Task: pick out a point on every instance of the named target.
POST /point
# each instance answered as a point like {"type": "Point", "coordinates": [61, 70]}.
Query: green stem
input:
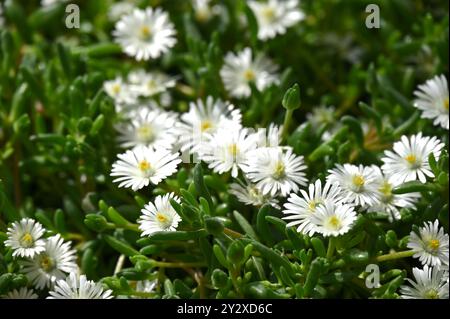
{"type": "Point", "coordinates": [163, 264]}
{"type": "Point", "coordinates": [396, 255]}
{"type": "Point", "coordinates": [287, 123]}
{"type": "Point", "coordinates": [331, 246]}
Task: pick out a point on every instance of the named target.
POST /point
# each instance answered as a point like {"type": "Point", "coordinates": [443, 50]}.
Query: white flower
{"type": "Point", "coordinates": [428, 285]}
{"type": "Point", "coordinates": [147, 84]}
{"type": "Point", "coordinates": [430, 245]}
{"type": "Point", "coordinates": [275, 16]}
{"type": "Point", "coordinates": [239, 70]}
{"type": "Point", "coordinates": [270, 137]}
{"type": "Point", "coordinates": [145, 34]}
{"type": "Point", "coordinates": [389, 202]}
{"type": "Point", "coordinates": [117, 10]}
{"type": "Point", "coordinates": [203, 10]}
{"type": "Point", "coordinates": [120, 91]}
{"type": "Point", "coordinates": [332, 219]}
{"type": "Point", "coordinates": [44, 269]}
{"type": "Point", "coordinates": [144, 165]}
{"type": "Point", "coordinates": [145, 286]}
{"type": "Point", "coordinates": [78, 287]}
{"type": "Point", "coordinates": [250, 195]}
{"type": "Point", "coordinates": [227, 150]}
{"type": "Point", "coordinates": [22, 293]}
{"type": "Point", "coordinates": [432, 99]}
{"type": "Point", "coordinates": [321, 115]}
{"type": "Point", "coordinates": [47, 3]}
{"type": "Point", "coordinates": [24, 238]}
{"type": "Point", "coordinates": [357, 183]}
{"type": "Point", "coordinates": [300, 209]}
{"type": "Point", "coordinates": [274, 169]}
{"type": "Point", "coordinates": [159, 216]}
{"type": "Point", "coordinates": [148, 127]}
{"type": "Point", "coordinates": [409, 161]}
{"type": "Point", "coordinates": [204, 119]}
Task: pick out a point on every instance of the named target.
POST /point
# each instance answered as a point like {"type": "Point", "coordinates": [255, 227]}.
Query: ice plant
{"type": "Point", "coordinates": [25, 238]}
{"type": "Point", "coordinates": [409, 159]}
{"type": "Point", "coordinates": [78, 287]}
{"type": "Point", "coordinates": [143, 166]}
{"type": "Point", "coordinates": [145, 34]}
{"type": "Point", "coordinates": [159, 216]}
{"type": "Point", "coordinates": [430, 245]}
{"type": "Point", "coordinates": [242, 68]}
{"type": "Point", "coordinates": [432, 100]}
{"type": "Point", "coordinates": [275, 16]}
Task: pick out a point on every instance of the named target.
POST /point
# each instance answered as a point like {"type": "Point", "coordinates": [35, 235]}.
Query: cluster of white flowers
{"type": "Point", "coordinates": [48, 262]}
{"type": "Point", "coordinates": [138, 87]}
{"type": "Point", "coordinates": [332, 211]}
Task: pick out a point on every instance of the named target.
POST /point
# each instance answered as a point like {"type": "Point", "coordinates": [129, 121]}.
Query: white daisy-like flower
{"type": "Point", "coordinates": [51, 265]}
{"type": "Point", "coordinates": [119, 9]}
{"type": "Point", "coordinates": [331, 219]}
{"type": "Point", "coordinates": [145, 286]}
{"type": "Point", "coordinates": [300, 209]}
{"type": "Point", "coordinates": [432, 100]}
{"type": "Point", "coordinates": [22, 293]}
{"type": "Point", "coordinates": [409, 159]}
{"type": "Point", "coordinates": [275, 170]}
{"type": "Point", "coordinates": [203, 119]}
{"type": "Point", "coordinates": [240, 69]}
{"type": "Point", "coordinates": [147, 84]}
{"type": "Point", "coordinates": [203, 10]}
{"type": "Point", "coordinates": [321, 115]}
{"type": "Point", "coordinates": [250, 195]}
{"type": "Point", "coordinates": [144, 165]}
{"type": "Point", "coordinates": [389, 202]}
{"type": "Point", "coordinates": [25, 238]}
{"type": "Point", "coordinates": [430, 245]}
{"type": "Point", "coordinates": [429, 284]}
{"type": "Point", "coordinates": [145, 34]}
{"type": "Point", "coordinates": [120, 91]}
{"type": "Point", "coordinates": [357, 183]}
{"type": "Point", "coordinates": [275, 16]}
{"type": "Point", "coordinates": [269, 137]}
{"type": "Point", "coordinates": [79, 287]}
{"type": "Point", "coordinates": [148, 127]}
{"type": "Point", "coordinates": [227, 150]}
{"type": "Point", "coordinates": [159, 216]}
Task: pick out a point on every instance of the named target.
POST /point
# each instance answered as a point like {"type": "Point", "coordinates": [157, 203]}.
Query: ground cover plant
{"type": "Point", "coordinates": [224, 149]}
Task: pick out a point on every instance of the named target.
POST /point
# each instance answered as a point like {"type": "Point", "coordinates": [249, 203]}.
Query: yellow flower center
{"type": "Point", "coordinates": [116, 89]}
{"type": "Point", "coordinates": [432, 294]}
{"type": "Point", "coordinates": [268, 13]}
{"type": "Point", "coordinates": [358, 180]}
{"type": "Point", "coordinates": [279, 171]}
{"type": "Point", "coordinates": [145, 33]}
{"type": "Point", "coordinates": [386, 190]}
{"type": "Point", "coordinates": [145, 133]}
{"type": "Point", "coordinates": [411, 159]}
{"type": "Point", "coordinates": [434, 244]}
{"type": "Point", "coordinates": [161, 218]}
{"type": "Point", "coordinates": [233, 149]}
{"type": "Point", "coordinates": [151, 84]}
{"type": "Point", "coordinates": [205, 125]}
{"type": "Point", "coordinates": [334, 223]}
{"type": "Point", "coordinates": [446, 104]}
{"type": "Point", "coordinates": [26, 240]}
{"type": "Point", "coordinates": [249, 75]}
{"type": "Point", "coordinates": [144, 166]}
{"type": "Point", "coordinates": [47, 263]}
